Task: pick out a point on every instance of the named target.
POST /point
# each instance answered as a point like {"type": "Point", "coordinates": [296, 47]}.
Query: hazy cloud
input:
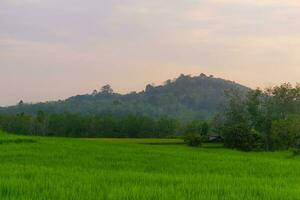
{"type": "Point", "coordinates": [54, 49]}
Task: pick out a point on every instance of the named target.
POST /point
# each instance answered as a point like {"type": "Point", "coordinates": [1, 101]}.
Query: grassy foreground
{"type": "Point", "coordinates": [36, 168]}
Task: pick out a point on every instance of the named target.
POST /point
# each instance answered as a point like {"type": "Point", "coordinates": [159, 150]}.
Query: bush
{"type": "Point", "coordinates": [192, 139]}
{"type": "Point", "coordinates": [285, 132]}
{"type": "Point", "coordinates": [238, 136]}
{"type": "Point", "coordinates": [296, 146]}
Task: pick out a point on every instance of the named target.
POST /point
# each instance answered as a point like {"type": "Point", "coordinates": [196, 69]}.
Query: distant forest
{"type": "Point", "coordinates": [77, 125]}
{"type": "Point", "coordinates": [184, 98]}
{"type": "Point", "coordinates": [193, 108]}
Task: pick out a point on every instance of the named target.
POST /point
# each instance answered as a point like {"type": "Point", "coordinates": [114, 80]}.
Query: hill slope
{"type": "Point", "coordinates": [185, 97]}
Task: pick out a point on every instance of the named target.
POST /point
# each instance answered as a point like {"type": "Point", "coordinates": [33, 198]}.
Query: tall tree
{"type": "Point", "coordinates": [106, 89]}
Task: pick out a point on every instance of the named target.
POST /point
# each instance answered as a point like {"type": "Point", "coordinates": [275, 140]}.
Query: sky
{"type": "Point", "coordinates": [53, 49]}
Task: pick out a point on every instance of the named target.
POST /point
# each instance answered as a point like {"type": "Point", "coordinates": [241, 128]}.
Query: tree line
{"type": "Point", "coordinates": [258, 120]}
{"type": "Point", "coordinates": [263, 119]}
{"type": "Point", "coordinates": [185, 98]}
{"type": "Point", "coordinates": [78, 125]}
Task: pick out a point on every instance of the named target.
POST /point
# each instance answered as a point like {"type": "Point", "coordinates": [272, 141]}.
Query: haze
{"type": "Point", "coordinates": [53, 49]}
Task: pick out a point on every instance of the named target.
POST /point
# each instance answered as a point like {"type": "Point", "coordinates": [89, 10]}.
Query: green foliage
{"type": "Point", "coordinates": [237, 131]}
{"type": "Point", "coordinates": [193, 139]}
{"type": "Point", "coordinates": [240, 137]}
{"type": "Point", "coordinates": [204, 129]}
{"type": "Point", "coordinates": [194, 127]}
{"type": "Point", "coordinates": [285, 131]}
{"type": "Point", "coordinates": [76, 125]}
{"type": "Point", "coordinates": [195, 132]}
{"type": "Point", "coordinates": [106, 89]}
{"type": "Point", "coordinates": [272, 114]}
{"type": "Point", "coordinates": [185, 98]}
{"type": "Point", "coordinates": [296, 145]}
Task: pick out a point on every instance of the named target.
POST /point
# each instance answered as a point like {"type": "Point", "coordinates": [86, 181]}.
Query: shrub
{"type": "Point", "coordinates": [192, 139]}
{"type": "Point", "coordinates": [240, 137]}
{"type": "Point", "coordinates": [285, 132]}
{"type": "Point", "coordinates": [296, 146]}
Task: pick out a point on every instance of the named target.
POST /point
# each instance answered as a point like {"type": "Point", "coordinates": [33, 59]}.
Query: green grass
{"type": "Point", "coordinates": [137, 140]}
{"type": "Point", "coordinates": [37, 168]}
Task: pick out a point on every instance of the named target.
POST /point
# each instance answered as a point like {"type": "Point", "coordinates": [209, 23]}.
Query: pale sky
{"type": "Point", "coordinates": [53, 49]}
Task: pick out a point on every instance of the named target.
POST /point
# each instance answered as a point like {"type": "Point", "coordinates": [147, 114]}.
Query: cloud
{"type": "Point", "coordinates": [289, 3]}
{"type": "Point", "coordinates": [54, 49]}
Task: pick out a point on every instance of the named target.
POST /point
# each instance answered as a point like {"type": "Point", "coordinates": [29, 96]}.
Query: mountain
{"type": "Point", "coordinates": [185, 97]}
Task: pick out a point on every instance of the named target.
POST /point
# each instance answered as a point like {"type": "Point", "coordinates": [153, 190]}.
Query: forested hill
{"type": "Point", "coordinates": [185, 97]}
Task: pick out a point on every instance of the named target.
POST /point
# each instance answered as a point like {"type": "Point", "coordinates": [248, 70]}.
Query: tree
{"type": "Point", "coordinates": [259, 109]}
{"type": "Point", "coordinates": [192, 139]}
{"type": "Point", "coordinates": [283, 98]}
{"type": "Point", "coordinates": [217, 124]}
{"type": "Point", "coordinates": [94, 93]}
{"type": "Point", "coordinates": [168, 82]}
{"type": "Point", "coordinates": [203, 75]}
{"type": "Point", "coordinates": [40, 124]}
{"type": "Point", "coordinates": [278, 103]}
{"type": "Point", "coordinates": [286, 131]}
{"type": "Point", "coordinates": [106, 89]}
{"type": "Point", "coordinates": [237, 131]}
{"type": "Point", "coordinates": [204, 129]}
{"type": "Point", "coordinates": [296, 145]}
{"type": "Point", "coordinates": [253, 104]}
{"type": "Point", "coordinates": [166, 126]}
{"type": "Point", "coordinates": [268, 117]}
{"type": "Point", "coordinates": [21, 103]}
{"type": "Point", "coordinates": [194, 127]}
{"type": "Point", "coordinates": [149, 88]}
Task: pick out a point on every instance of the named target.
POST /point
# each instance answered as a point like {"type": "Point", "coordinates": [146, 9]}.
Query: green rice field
{"type": "Point", "coordinates": [38, 168]}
